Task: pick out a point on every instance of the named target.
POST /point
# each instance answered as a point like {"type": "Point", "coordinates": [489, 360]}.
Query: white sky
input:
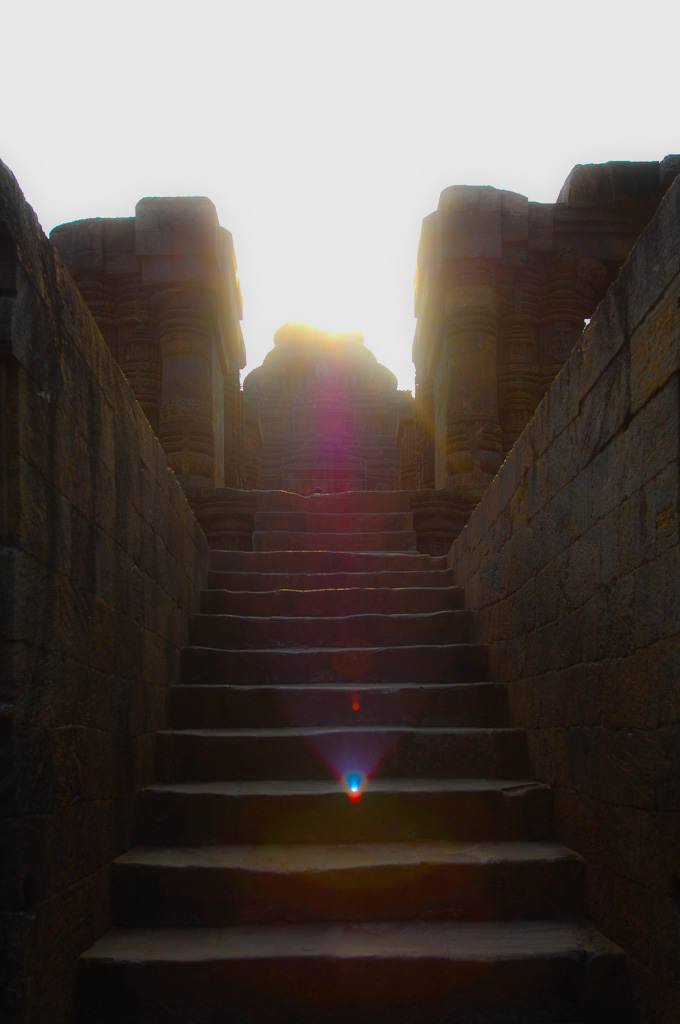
{"type": "Point", "coordinates": [324, 132]}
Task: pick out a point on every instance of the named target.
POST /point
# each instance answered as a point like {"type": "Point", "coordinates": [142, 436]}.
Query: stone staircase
{"type": "Point", "coordinates": [265, 889]}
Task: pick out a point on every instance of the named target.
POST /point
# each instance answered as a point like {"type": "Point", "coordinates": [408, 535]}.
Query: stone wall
{"type": "Point", "coordinates": [100, 567]}
{"type": "Point", "coordinates": [572, 560]}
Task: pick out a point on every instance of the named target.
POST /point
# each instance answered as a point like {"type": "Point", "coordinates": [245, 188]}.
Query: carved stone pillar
{"type": "Point", "coordinates": [233, 431]}
{"type": "Point", "coordinates": [138, 347]}
{"type": "Point", "coordinates": [467, 428]}
{"type": "Point", "coordinates": [424, 416]}
{"type": "Point", "coordinates": [96, 292]}
{"type": "Point", "coordinates": [519, 384]}
{"type": "Point", "coordinates": [185, 426]}
{"type": "Point", "coordinates": [568, 298]}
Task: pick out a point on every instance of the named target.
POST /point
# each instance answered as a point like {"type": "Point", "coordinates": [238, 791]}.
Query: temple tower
{"type": "Point", "coordinates": [329, 414]}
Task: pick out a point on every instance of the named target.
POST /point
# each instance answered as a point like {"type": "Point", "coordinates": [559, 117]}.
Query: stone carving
{"type": "Point", "coordinates": [329, 413]}
{"type": "Point", "coordinates": [503, 288]}
{"type": "Point", "coordinates": [163, 289]}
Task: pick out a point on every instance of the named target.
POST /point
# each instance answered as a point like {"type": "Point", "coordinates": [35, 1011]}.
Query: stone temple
{"type": "Point", "coordinates": [324, 703]}
{"type": "Point", "coordinates": [329, 414]}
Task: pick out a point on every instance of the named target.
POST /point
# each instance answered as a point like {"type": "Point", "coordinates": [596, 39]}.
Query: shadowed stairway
{"type": "Point", "coordinates": [332, 658]}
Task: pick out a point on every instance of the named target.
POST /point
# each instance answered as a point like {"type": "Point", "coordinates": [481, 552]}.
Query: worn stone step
{"type": "Point", "coordinates": [343, 502]}
{"type": "Point", "coordinates": [333, 522]}
{"type": "Point", "coordinates": [324, 561]}
{"type": "Point", "coordinates": [424, 579]}
{"type": "Point", "coordinates": [308, 752]}
{"type": "Point", "coordinates": [304, 631]}
{"type": "Point", "coordinates": [285, 811]}
{"type": "Point", "coordinates": [288, 540]}
{"type": "Point", "coordinates": [333, 602]}
{"type": "Point", "coordinates": [363, 666]}
{"type": "Point", "coordinates": [235, 706]}
{"type": "Point", "coordinates": [471, 972]}
{"type": "Point", "coordinates": [217, 886]}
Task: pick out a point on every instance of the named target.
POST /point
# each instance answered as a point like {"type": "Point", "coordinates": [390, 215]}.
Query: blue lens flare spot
{"type": "Point", "coordinates": [355, 785]}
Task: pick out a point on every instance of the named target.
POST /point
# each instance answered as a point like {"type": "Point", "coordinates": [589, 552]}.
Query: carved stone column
{"type": "Point", "coordinates": [568, 298]}
{"type": "Point", "coordinates": [138, 347]}
{"type": "Point", "coordinates": [233, 431]}
{"type": "Point", "coordinates": [185, 426]}
{"type": "Point", "coordinates": [424, 417]}
{"type": "Point", "coordinates": [96, 292]}
{"type": "Point", "coordinates": [519, 384]}
{"type": "Point", "coordinates": [467, 429]}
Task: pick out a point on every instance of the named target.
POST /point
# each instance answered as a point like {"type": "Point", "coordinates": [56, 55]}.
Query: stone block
{"type": "Point", "coordinates": [469, 223]}
{"type": "Point", "coordinates": [659, 426]}
{"type": "Point", "coordinates": [621, 536]}
{"type": "Point", "coordinates": [81, 244]}
{"type": "Point", "coordinates": [522, 609]}
{"type": "Point", "coordinates": [605, 408]}
{"type": "Point", "coordinates": [640, 691]}
{"type": "Point", "coordinates": [615, 614]}
{"type": "Point", "coordinates": [655, 259]}
{"type": "Point", "coordinates": [657, 601]}
{"type": "Point", "coordinates": [183, 226]}
{"type": "Point", "coordinates": [564, 457]}
{"type": "Point", "coordinates": [621, 908]}
{"type": "Point", "coordinates": [514, 217]}
{"type": "Point", "coordinates": [602, 834]}
{"type": "Point", "coordinates": [636, 767]}
{"type": "Point", "coordinates": [127, 637]}
{"type": "Point", "coordinates": [655, 348]}
{"type": "Point", "coordinates": [616, 472]}
{"type": "Point", "coordinates": [660, 850]}
{"type": "Point", "coordinates": [663, 508]}
{"type": "Point", "coordinates": [33, 598]}
{"type": "Point", "coordinates": [603, 342]}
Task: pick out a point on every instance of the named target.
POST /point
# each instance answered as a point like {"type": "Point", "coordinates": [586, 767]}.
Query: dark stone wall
{"type": "Point", "coordinates": [572, 560]}
{"type": "Point", "coordinates": [100, 566]}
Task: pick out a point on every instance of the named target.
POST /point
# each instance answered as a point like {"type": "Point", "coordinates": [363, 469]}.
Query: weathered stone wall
{"type": "Point", "coordinates": [100, 566]}
{"type": "Point", "coordinates": [572, 560]}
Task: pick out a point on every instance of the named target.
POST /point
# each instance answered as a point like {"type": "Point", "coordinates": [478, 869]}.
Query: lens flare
{"type": "Point", "coordinates": [354, 783]}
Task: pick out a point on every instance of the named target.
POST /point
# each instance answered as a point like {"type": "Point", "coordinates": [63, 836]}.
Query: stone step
{"type": "Point", "coordinates": [387, 704]}
{"type": "Point", "coordinates": [313, 562]}
{"type": "Point", "coordinates": [214, 886]}
{"type": "Point", "coordinates": [422, 579]}
{"type": "Point", "coordinates": [333, 601]}
{"type": "Point", "coordinates": [288, 540]}
{"type": "Point", "coordinates": [333, 522]}
{"type": "Point", "coordinates": [344, 502]}
{"type": "Point", "coordinates": [471, 972]}
{"type": "Point", "coordinates": [313, 752]}
{"type": "Point", "coordinates": [286, 811]}
{"type": "Point", "coordinates": [364, 631]}
{"type": "Point", "coordinates": [362, 666]}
